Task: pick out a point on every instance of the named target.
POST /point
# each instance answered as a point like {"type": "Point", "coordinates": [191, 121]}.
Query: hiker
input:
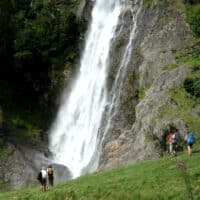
{"type": "Point", "coordinates": [42, 176]}
{"type": "Point", "coordinates": [39, 178]}
{"type": "Point", "coordinates": [190, 141]}
{"type": "Point", "coordinates": [50, 173]}
{"type": "Point", "coordinates": [174, 143]}
{"type": "Point", "coordinates": [170, 140]}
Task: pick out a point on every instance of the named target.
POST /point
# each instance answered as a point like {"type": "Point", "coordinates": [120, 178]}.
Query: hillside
{"type": "Point", "coordinates": [167, 178]}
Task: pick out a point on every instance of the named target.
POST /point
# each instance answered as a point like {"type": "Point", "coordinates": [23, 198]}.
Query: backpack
{"type": "Point", "coordinates": [175, 138]}
{"type": "Point", "coordinates": [39, 177]}
{"type": "Point", "coordinates": [190, 138]}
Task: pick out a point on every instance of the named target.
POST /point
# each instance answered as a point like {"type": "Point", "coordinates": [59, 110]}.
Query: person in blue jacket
{"type": "Point", "coordinates": [190, 141]}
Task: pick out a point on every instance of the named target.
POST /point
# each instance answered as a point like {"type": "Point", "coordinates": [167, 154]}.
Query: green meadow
{"type": "Point", "coordinates": [167, 178]}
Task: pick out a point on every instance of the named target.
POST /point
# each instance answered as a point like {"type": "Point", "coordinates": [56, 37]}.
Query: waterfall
{"type": "Point", "coordinates": [74, 136]}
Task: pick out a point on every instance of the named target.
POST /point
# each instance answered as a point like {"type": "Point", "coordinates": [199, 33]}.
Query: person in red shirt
{"type": "Point", "coordinates": [170, 141]}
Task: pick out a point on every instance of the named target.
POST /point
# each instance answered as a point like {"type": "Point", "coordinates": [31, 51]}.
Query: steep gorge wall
{"type": "Point", "coordinates": [138, 129]}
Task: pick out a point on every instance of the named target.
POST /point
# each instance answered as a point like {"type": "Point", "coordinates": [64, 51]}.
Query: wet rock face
{"type": "Point", "coordinates": [61, 173]}
{"type": "Point", "coordinates": [23, 165]}
{"type": "Point", "coordinates": [84, 9]}
{"type": "Point", "coordinates": [138, 129]}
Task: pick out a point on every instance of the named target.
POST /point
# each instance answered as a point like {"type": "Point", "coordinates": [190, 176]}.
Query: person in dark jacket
{"type": "Point", "coordinates": [50, 173]}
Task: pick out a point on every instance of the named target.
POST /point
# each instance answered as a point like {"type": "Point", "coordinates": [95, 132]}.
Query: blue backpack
{"type": "Point", "coordinates": [190, 138]}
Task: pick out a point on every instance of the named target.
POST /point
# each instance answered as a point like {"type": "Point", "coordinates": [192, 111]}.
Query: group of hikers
{"type": "Point", "coordinates": [46, 175]}
{"type": "Point", "coordinates": [173, 143]}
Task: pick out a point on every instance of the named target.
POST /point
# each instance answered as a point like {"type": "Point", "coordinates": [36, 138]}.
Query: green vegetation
{"type": "Point", "coordinates": [192, 86]}
{"type": "Point", "coordinates": [4, 152]}
{"type": "Point", "coordinates": [187, 96]}
{"type": "Point", "coordinates": [26, 122]}
{"type": "Point", "coordinates": [1, 117]}
{"type": "Point", "coordinates": [193, 15]}
{"type": "Point", "coordinates": [167, 178]}
{"type": "Point", "coordinates": [192, 83]}
{"type": "Point", "coordinates": [141, 93]}
{"type": "Point", "coordinates": [192, 3]}
{"type": "Point", "coordinates": [39, 40]}
{"type": "Point", "coordinates": [148, 3]}
{"type": "Point", "coordinates": [187, 109]}
{"type": "Point", "coordinates": [170, 67]}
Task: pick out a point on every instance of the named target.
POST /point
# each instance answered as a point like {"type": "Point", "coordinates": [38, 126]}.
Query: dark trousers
{"type": "Point", "coordinates": [51, 181]}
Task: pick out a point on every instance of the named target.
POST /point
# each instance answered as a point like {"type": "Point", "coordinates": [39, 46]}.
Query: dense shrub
{"type": "Point", "coordinates": [196, 51]}
{"type": "Point", "coordinates": [192, 86]}
{"type": "Point", "coordinates": [191, 1]}
{"type": "Point", "coordinates": [193, 15]}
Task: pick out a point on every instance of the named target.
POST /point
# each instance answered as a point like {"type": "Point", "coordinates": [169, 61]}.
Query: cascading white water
{"type": "Point", "coordinates": [73, 136]}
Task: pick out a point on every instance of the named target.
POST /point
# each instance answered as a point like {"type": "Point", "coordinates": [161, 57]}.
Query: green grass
{"type": "Point", "coordinates": [160, 179]}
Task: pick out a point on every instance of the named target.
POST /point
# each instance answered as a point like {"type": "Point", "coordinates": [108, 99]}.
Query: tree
{"type": "Point", "coordinates": [6, 36]}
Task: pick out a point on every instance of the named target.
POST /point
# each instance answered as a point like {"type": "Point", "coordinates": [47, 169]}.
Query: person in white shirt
{"type": "Point", "coordinates": [44, 179]}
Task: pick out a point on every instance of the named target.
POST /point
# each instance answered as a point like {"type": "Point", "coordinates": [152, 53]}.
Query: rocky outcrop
{"type": "Point", "coordinates": [22, 165]}
{"type": "Point", "coordinates": [145, 112]}
{"type": "Point", "coordinates": [84, 9]}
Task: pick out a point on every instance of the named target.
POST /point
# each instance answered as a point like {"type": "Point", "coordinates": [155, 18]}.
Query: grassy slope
{"type": "Point", "coordinates": [159, 179]}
